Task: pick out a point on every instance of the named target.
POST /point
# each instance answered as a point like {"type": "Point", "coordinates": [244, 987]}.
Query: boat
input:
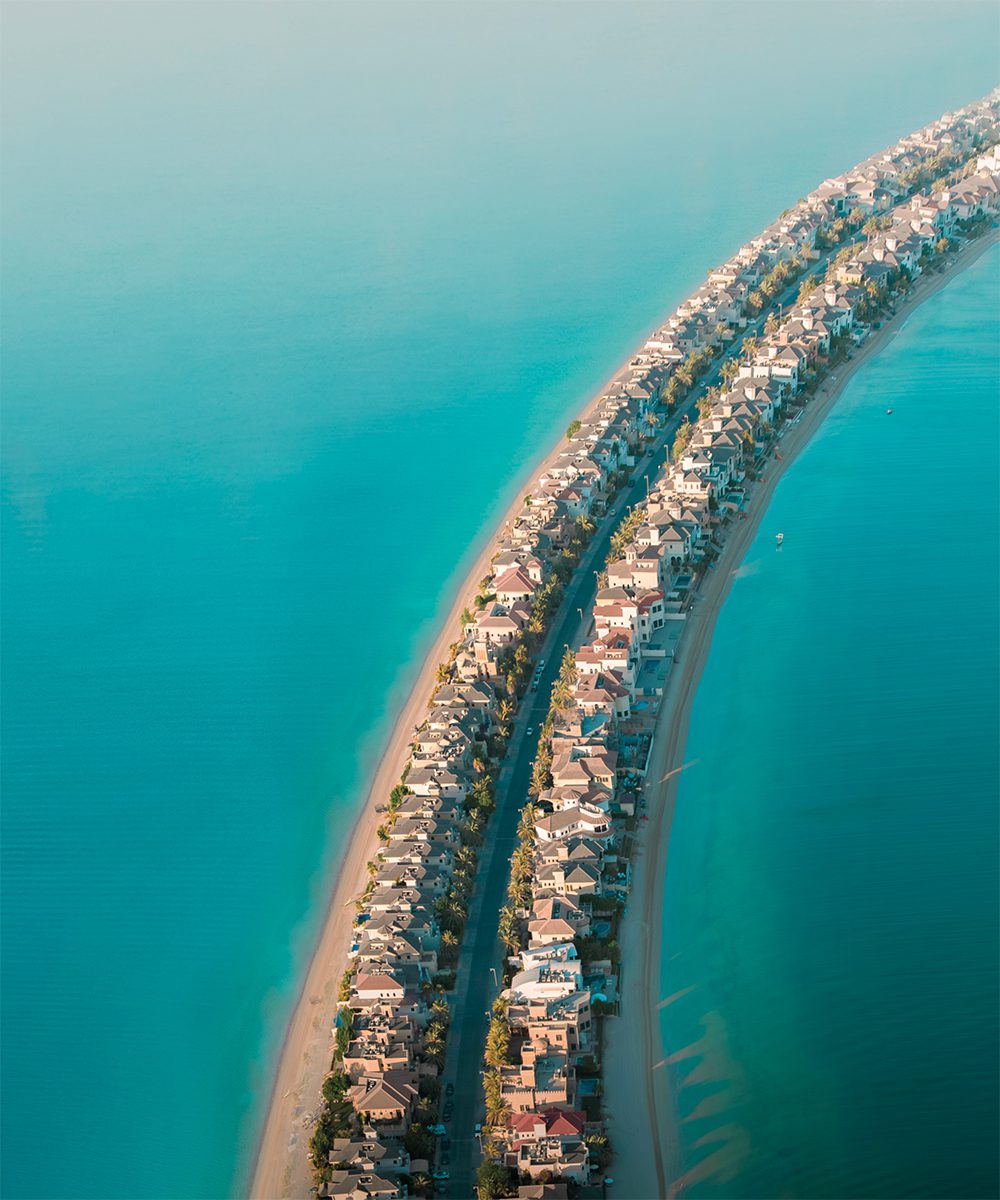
{"type": "Point", "coordinates": [888, 412]}
{"type": "Point", "coordinates": [779, 538]}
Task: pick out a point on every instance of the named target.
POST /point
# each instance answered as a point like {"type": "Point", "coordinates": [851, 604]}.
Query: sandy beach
{"type": "Point", "coordinates": [282, 1167]}
{"type": "Point", "coordinates": [641, 1118]}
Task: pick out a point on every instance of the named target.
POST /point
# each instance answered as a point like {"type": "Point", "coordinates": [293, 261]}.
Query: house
{"type": "Point", "coordinates": [496, 624]}
{"type": "Point", "coordinates": [546, 982]}
{"type": "Point", "coordinates": [562, 909]}
{"type": "Point", "coordinates": [552, 1156]}
{"type": "Point", "coordinates": [673, 539]}
{"type": "Point", "coordinates": [513, 586]}
{"type": "Point", "coordinates": [361, 1184]}
{"type": "Point", "coordinates": [379, 985]}
{"type": "Point", "coordinates": [584, 820]}
{"type": "Point", "coordinates": [581, 766]}
{"type": "Point", "coordinates": [538, 1081]}
{"type": "Point", "coordinates": [386, 1098]}
{"type": "Point", "coordinates": [366, 1057]}
{"type": "Point", "coordinates": [387, 1157]}
{"type": "Point", "coordinates": [546, 933]}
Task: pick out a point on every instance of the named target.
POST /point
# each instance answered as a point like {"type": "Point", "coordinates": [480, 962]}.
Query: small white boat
{"type": "Point", "coordinates": [779, 538]}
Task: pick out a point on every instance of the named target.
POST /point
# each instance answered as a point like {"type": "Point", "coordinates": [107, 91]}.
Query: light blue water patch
{"type": "Point", "coordinates": [831, 891]}
{"type": "Point", "coordinates": [291, 295]}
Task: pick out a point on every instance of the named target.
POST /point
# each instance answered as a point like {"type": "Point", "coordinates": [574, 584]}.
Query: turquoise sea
{"type": "Point", "coordinates": [832, 885]}
{"type": "Point", "coordinates": [292, 295]}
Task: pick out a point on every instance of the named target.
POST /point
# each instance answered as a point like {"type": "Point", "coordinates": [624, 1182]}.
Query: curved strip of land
{"type": "Point", "coordinates": [643, 1117]}
{"type": "Point", "coordinates": [282, 1165]}
{"type": "Point", "coordinates": [282, 1168]}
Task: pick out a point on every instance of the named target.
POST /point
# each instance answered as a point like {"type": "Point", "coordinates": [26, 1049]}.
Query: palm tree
{"type": "Point", "coordinates": [497, 1109]}
{"type": "Point", "coordinates": [510, 929]}
{"type": "Point", "coordinates": [529, 814]}
{"type": "Point", "coordinates": [466, 858]}
{"type": "Point", "coordinates": [498, 1042]}
{"type": "Point", "coordinates": [521, 864]}
{"type": "Point", "coordinates": [451, 912]}
{"type": "Point", "coordinates": [519, 893]}
{"type": "Point", "coordinates": [422, 1184]}
{"type": "Point", "coordinates": [600, 1149]}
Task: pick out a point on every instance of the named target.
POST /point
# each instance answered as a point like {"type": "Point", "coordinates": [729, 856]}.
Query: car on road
{"type": "Point", "coordinates": [446, 1143]}
{"type": "Point", "coordinates": [440, 1175]}
{"type": "Point", "coordinates": [531, 730]}
{"type": "Point", "coordinates": [479, 1127]}
{"type": "Point", "coordinates": [438, 1129]}
{"type": "Point", "coordinates": [445, 1160]}
{"type": "Point", "coordinates": [449, 1089]}
{"type": "Point", "coordinates": [541, 663]}
{"type": "Point", "coordinates": [449, 1110]}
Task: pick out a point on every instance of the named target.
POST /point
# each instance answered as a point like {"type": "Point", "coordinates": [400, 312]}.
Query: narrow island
{"type": "Point", "coordinates": [460, 1030]}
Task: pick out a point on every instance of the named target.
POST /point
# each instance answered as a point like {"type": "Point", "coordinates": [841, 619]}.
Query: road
{"type": "Point", "coordinates": [482, 952]}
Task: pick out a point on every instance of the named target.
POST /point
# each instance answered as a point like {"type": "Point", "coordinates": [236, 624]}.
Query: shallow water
{"type": "Point", "coordinates": [291, 295]}
{"type": "Point", "coordinates": [831, 891]}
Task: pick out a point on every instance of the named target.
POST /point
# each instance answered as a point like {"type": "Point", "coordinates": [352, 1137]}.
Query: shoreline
{"type": "Point", "coordinates": [280, 1167]}
{"type": "Point", "coordinates": [634, 1048]}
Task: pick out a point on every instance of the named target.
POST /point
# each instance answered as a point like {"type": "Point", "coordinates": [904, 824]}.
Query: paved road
{"type": "Point", "coordinates": [481, 950]}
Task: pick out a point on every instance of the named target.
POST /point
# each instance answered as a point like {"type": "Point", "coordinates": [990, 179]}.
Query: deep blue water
{"type": "Point", "coordinates": [292, 295]}
{"type": "Point", "coordinates": [832, 885]}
